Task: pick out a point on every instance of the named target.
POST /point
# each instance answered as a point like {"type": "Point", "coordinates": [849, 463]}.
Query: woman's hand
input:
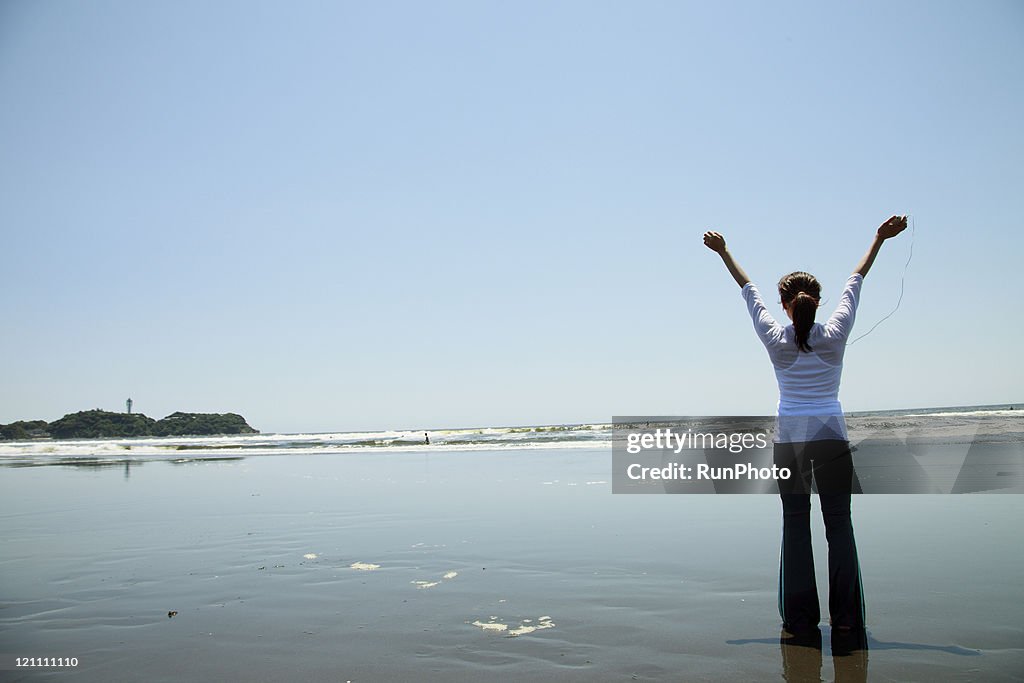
{"type": "Point", "coordinates": [714, 241]}
{"type": "Point", "coordinates": [892, 227]}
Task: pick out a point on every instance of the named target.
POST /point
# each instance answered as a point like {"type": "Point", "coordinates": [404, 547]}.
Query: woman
{"type": "Point", "coordinates": [810, 436]}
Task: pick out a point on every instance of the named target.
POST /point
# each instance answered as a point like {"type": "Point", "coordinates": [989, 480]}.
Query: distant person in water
{"type": "Point", "coordinates": [810, 435]}
{"type": "Point", "coordinates": [426, 439]}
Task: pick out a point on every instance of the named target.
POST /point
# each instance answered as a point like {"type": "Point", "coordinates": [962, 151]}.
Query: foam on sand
{"type": "Point", "coordinates": [364, 566]}
{"type": "Point", "coordinates": [491, 625]}
{"type": "Point", "coordinates": [525, 626]}
{"type": "Point", "coordinates": [431, 584]}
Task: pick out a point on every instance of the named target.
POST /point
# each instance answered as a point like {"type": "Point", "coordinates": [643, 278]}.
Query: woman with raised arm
{"type": "Point", "coordinates": [810, 436]}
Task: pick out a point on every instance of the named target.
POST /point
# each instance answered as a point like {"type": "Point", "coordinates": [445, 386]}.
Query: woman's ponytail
{"type": "Point", "coordinates": [804, 306]}
{"type": "Point", "coordinates": [800, 292]}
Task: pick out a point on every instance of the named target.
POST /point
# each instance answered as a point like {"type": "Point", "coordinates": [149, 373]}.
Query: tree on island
{"type": "Point", "coordinates": [97, 424]}
{"type": "Point", "coordinates": [23, 429]}
{"type": "Point", "coordinates": [202, 424]}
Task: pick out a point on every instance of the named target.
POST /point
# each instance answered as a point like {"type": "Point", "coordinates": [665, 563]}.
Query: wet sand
{"type": "Point", "coordinates": [467, 566]}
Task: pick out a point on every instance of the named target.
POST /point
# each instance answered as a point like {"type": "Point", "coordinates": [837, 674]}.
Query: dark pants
{"type": "Point", "coordinates": [831, 464]}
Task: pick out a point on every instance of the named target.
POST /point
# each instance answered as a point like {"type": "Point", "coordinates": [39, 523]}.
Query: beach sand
{"type": "Point", "coordinates": [468, 566]}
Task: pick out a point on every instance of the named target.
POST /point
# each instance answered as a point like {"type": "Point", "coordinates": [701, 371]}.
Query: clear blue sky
{"type": "Point", "coordinates": [331, 216]}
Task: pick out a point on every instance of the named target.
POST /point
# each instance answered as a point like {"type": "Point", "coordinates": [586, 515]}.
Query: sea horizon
{"type": "Point", "coordinates": [944, 424]}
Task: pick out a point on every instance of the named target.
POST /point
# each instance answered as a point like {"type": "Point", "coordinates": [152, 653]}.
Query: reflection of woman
{"type": "Point", "coordinates": [811, 434]}
{"type": "Point", "coordinates": [801, 656]}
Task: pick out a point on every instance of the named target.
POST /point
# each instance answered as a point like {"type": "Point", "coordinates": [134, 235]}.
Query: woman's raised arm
{"type": "Point", "coordinates": [716, 243]}
{"type": "Point", "coordinates": [892, 227]}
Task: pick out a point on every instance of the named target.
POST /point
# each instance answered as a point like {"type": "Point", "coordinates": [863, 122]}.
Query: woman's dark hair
{"type": "Point", "coordinates": [804, 291]}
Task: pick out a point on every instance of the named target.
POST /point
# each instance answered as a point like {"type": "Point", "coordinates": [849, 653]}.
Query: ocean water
{"type": "Point", "coordinates": [944, 425]}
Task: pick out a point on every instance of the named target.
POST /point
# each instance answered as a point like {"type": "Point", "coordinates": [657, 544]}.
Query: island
{"type": "Point", "coordinates": [99, 424]}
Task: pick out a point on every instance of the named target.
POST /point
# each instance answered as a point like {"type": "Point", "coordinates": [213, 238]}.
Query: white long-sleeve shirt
{"type": "Point", "coordinates": [809, 408]}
